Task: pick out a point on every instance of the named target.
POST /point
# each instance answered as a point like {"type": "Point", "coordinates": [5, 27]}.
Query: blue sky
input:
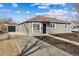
{"type": "Point", "coordinates": [24, 11]}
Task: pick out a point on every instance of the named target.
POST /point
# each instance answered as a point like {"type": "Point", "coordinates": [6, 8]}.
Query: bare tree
{"type": "Point", "coordinates": [76, 8]}
{"type": "Point", "coordinates": [8, 20]}
{"type": "Point", "coordinates": [32, 47]}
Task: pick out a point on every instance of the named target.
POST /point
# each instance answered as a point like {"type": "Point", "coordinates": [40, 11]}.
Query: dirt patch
{"type": "Point", "coordinates": [68, 47]}
{"type": "Point", "coordinates": [8, 46]}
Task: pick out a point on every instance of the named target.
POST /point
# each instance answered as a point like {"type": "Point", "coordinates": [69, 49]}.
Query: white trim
{"type": "Point", "coordinates": [52, 25]}
{"type": "Point", "coordinates": [29, 27]}
{"type": "Point", "coordinates": [67, 25]}
{"type": "Point", "coordinates": [39, 25]}
{"type": "Point", "coordinates": [12, 25]}
{"type": "Point", "coordinates": [7, 28]}
{"type": "Point", "coordinates": [32, 27]}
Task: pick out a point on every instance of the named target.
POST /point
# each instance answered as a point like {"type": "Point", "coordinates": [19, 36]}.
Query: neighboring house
{"type": "Point", "coordinates": [11, 27]}
{"type": "Point", "coordinates": [44, 25]}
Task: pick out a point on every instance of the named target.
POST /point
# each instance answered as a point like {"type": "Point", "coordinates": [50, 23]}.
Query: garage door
{"type": "Point", "coordinates": [11, 28]}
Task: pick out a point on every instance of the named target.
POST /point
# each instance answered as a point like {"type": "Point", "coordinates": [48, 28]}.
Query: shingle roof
{"type": "Point", "coordinates": [46, 19]}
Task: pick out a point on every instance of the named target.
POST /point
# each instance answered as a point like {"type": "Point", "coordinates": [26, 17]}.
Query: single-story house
{"type": "Point", "coordinates": [44, 25]}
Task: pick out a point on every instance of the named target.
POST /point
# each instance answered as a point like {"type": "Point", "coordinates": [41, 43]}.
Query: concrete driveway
{"type": "Point", "coordinates": [49, 51]}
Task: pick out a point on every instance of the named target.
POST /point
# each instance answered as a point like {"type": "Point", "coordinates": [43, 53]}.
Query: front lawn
{"type": "Point", "coordinates": [65, 46]}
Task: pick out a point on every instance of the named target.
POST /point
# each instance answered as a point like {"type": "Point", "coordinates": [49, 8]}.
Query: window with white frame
{"type": "Point", "coordinates": [66, 25]}
{"type": "Point", "coordinates": [48, 24]}
{"type": "Point", "coordinates": [36, 26]}
{"type": "Point", "coordinates": [53, 25]}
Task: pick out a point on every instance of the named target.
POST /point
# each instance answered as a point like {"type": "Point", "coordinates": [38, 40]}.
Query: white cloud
{"type": "Point", "coordinates": [1, 5]}
{"type": "Point", "coordinates": [18, 11]}
{"type": "Point", "coordinates": [15, 5]}
{"type": "Point", "coordinates": [27, 11]}
{"type": "Point", "coordinates": [34, 4]}
{"type": "Point", "coordinates": [7, 10]}
{"type": "Point", "coordinates": [60, 14]}
{"type": "Point", "coordinates": [42, 5]}
{"type": "Point", "coordinates": [46, 5]}
{"type": "Point", "coordinates": [53, 12]}
{"type": "Point", "coordinates": [42, 13]}
{"type": "Point", "coordinates": [63, 4]}
{"type": "Point", "coordinates": [74, 12]}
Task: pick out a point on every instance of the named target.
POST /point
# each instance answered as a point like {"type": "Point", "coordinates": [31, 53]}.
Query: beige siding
{"type": "Point", "coordinates": [34, 32]}
{"type": "Point", "coordinates": [27, 28]}
{"type": "Point", "coordinates": [23, 28]}
{"type": "Point", "coordinates": [59, 28]}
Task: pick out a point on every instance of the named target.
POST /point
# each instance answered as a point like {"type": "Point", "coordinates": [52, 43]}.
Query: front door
{"type": "Point", "coordinates": [44, 28]}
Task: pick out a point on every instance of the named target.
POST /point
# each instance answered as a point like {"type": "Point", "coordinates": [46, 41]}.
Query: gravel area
{"type": "Point", "coordinates": [65, 46]}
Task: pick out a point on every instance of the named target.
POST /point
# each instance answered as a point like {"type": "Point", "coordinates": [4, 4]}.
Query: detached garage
{"type": "Point", "coordinates": [11, 27]}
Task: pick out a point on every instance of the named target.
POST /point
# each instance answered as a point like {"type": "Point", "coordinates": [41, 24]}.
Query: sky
{"type": "Point", "coordinates": [24, 11]}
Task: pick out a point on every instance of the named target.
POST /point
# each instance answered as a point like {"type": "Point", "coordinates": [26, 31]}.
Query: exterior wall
{"type": "Point", "coordinates": [34, 32]}
{"type": "Point", "coordinates": [27, 28]}
{"type": "Point", "coordinates": [59, 28]}
{"type": "Point", "coordinates": [2, 27]}
{"type": "Point", "coordinates": [23, 28]}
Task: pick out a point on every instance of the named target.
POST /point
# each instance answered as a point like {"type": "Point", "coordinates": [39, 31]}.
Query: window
{"type": "Point", "coordinates": [66, 25]}
{"type": "Point", "coordinates": [48, 24]}
{"type": "Point", "coordinates": [77, 26]}
{"type": "Point", "coordinates": [36, 26]}
{"type": "Point", "coordinates": [52, 25]}
{"type": "Point", "coordinates": [11, 28]}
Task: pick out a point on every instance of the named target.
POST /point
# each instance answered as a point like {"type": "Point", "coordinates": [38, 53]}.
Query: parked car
{"type": "Point", "coordinates": [75, 28]}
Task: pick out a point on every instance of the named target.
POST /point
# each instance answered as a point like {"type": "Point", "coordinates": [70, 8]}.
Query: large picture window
{"type": "Point", "coordinates": [36, 26]}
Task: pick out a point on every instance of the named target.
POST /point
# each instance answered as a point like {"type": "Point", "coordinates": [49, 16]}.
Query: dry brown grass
{"type": "Point", "coordinates": [70, 36]}
{"type": "Point", "coordinates": [8, 46]}
{"type": "Point", "coordinates": [65, 46]}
